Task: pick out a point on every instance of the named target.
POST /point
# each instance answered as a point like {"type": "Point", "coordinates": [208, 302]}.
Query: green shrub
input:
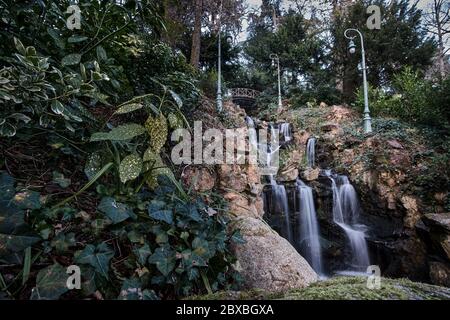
{"type": "Point", "coordinates": [412, 99]}
{"type": "Point", "coordinates": [151, 245]}
{"type": "Point", "coordinates": [34, 93]}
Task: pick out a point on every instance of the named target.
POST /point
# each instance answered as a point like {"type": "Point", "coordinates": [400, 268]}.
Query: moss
{"type": "Point", "coordinates": [345, 288]}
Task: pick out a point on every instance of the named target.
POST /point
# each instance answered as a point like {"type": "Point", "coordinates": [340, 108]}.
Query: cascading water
{"type": "Point", "coordinates": [311, 152]}
{"type": "Point", "coordinates": [279, 199]}
{"type": "Point", "coordinates": [253, 138]}
{"type": "Point", "coordinates": [309, 241]}
{"type": "Point", "coordinates": [345, 214]}
{"type": "Point", "coordinates": [304, 234]}
{"type": "Point", "coordinates": [250, 121]}
{"type": "Point", "coordinates": [280, 203]}
{"type": "Point", "coordinates": [285, 130]}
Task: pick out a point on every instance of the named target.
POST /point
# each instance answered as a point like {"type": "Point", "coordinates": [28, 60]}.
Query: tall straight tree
{"type": "Point", "coordinates": [189, 20]}
{"type": "Point", "coordinates": [437, 22]}
{"type": "Point", "coordinates": [197, 33]}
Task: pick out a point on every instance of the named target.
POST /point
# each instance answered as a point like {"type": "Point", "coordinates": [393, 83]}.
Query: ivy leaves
{"type": "Point", "coordinates": [115, 211]}
{"type": "Point", "coordinates": [162, 215]}
{"type": "Point", "coordinates": [15, 235]}
{"type": "Point", "coordinates": [51, 283]}
{"type": "Point", "coordinates": [96, 256]}
{"type": "Point", "coordinates": [164, 259]}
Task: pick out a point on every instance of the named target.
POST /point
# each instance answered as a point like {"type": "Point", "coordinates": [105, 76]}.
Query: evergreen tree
{"type": "Point", "coordinates": [400, 42]}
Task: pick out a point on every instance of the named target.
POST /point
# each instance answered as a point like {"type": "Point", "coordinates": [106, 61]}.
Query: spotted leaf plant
{"type": "Point", "coordinates": [137, 148]}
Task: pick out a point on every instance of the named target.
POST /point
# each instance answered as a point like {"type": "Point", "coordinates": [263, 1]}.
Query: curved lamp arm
{"type": "Point", "coordinates": [274, 56]}
{"type": "Point", "coordinates": [346, 34]}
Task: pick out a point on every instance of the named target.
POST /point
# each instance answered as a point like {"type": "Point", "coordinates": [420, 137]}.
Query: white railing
{"type": "Point", "coordinates": [244, 93]}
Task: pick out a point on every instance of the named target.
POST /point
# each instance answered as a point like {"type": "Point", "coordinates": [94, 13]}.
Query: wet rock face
{"type": "Point", "coordinates": [440, 221]}
{"type": "Point", "coordinates": [267, 261]}
{"type": "Point", "coordinates": [439, 231]}
{"type": "Point", "coordinates": [310, 174]}
{"type": "Point", "coordinates": [440, 273]}
{"type": "Point", "coordinates": [200, 179]}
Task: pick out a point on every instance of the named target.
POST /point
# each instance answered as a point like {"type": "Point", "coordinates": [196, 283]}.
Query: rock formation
{"type": "Point", "coordinates": [266, 260]}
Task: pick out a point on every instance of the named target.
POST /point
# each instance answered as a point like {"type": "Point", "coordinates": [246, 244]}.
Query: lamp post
{"type": "Point", "coordinates": [219, 64]}
{"type": "Point", "coordinates": [274, 58]}
{"type": "Point", "coordinates": [352, 49]}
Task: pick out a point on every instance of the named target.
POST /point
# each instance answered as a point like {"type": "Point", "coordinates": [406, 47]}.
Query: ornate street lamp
{"type": "Point", "coordinates": [219, 77]}
{"type": "Point", "coordinates": [274, 58]}
{"type": "Point", "coordinates": [352, 49]}
{"type": "Point", "coordinates": [219, 63]}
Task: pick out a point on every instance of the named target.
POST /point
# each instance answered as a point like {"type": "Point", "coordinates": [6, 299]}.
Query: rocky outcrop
{"type": "Point", "coordinates": [200, 179]}
{"type": "Point", "coordinates": [385, 168]}
{"type": "Point", "coordinates": [266, 260]}
{"type": "Point", "coordinates": [440, 273]}
{"type": "Point", "coordinates": [310, 174]}
{"type": "Point", "coordinates": [438, 225]}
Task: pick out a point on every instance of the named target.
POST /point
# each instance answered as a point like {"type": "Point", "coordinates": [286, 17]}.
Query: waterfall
{"type": "Point", "coordinates": [253, 137]}
{"type": "Point", "coordinates": [345, 214]}
{"type": "Point", "coordinates": [285, 129]}
{"type": "Point", "coordinates": [311, 152]}
{"type": "Point", "coordinates": [278, 191]}
{"type": "Point", "coordinates": [250, 122]}
{"type": "Point", "coordinates": [309, 241]}
{"type": "Point", "coordinates": [280, 199]}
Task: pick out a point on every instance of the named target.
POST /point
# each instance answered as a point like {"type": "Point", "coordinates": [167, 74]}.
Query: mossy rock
{"type": "Point", "coordinates": [345, 288]}
{"type": "Point", "coordinates": [355, 288]}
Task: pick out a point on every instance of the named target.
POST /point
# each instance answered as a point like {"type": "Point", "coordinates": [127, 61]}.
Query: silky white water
{"type": "Point", "coordinates": [311, 152]}
{"type": "Point", "coordinates": [285, 130]}
{"type": "Point", "coordinates": [345, 214]}
{"type": "Point", "coordinates": [309, 241]}
{"type": "Point", "coordinates": [279, 197]}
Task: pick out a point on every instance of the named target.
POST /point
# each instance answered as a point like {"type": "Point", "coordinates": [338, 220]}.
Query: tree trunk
{"type": "Point", "coordinates": [196, 35]}
{"type": "Point", "coordinates": [441, 58]}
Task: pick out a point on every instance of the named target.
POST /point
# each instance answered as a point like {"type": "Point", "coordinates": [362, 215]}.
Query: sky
{"type": "Point", "coordinates": [255, 4]}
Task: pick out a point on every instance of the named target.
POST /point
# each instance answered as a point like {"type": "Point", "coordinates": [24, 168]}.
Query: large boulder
{"type": "Point", "coordinates": [269, 262]}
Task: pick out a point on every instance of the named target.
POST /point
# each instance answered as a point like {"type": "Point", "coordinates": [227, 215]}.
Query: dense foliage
{"type": "Point", "coordinates": [85, 178]}
{"type": "Point", "coordinates": [86, 115]}
{"type": "Point", "coordinates": [399, 43]}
